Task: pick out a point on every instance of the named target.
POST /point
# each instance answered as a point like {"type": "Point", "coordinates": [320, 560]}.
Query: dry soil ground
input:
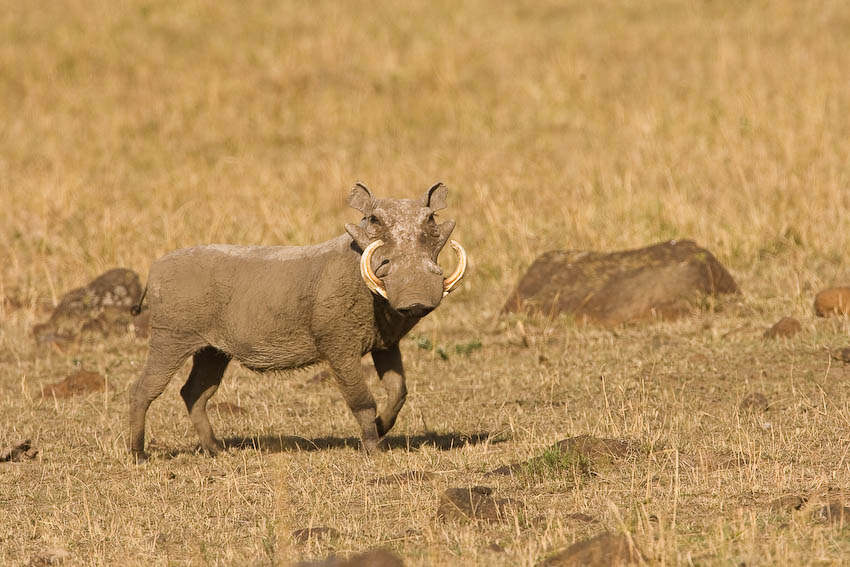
{"type": "Point", "coordinates": [131, 128]}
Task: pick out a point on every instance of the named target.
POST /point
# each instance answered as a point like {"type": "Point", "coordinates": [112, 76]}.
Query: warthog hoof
{"type": "Point", "coordinates": [140, 457]}
{"type": "Point", "coordinates": [371, 446]}
{"type": "Point", "coordinates": [214, 450]}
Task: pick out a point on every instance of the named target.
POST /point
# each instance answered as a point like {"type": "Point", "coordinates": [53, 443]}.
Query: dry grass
{"type": "Point", "coordinates": [132, 128]}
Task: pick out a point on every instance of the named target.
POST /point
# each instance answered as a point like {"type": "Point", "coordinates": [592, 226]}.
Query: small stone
{"type": "Point", "coordinates": [80, 382]}
{"type": "Point", "coordinates": [475, 504]}
{"type": "Point", "coordinates": [786, 327]}
{"type": "Point", "coordinates": [583, 518]}
{"type": "Point", "coordinates": [835, 513]}
{"type": "Point", "coordinates": [373, 558]}
{"type": "Point", "coordinates": [754, 402]}
{"type": "Point", "coordinates": [594, 448]}
{"type": "Point", "coordinates": [605, 550]}
{"type": "Point", "coordinates": [787, 503]}
{"type": "Point", "coordinates": [304, 535]}
{"type": "Point", "coordinates": [843, 355]}
{"type": "Point", "coordinates": [52, 556]}
{"type": "Point", "coordinates": [18, 452]}
{"type": "Point", "coordinates": [833, 301]}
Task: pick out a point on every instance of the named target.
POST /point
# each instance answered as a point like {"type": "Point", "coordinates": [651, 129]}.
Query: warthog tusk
{"type": "Point", "coordinates": [372, 281]}
{"type": "Point", "coordinates": [376, 286]}
{"type": "Point", "coordinates": [450, 282]}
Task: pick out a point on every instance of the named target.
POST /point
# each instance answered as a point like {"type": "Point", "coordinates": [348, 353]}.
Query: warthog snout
{"type": "Point", "coordinates": [415, 310]}
{"type": "Point", "coordinates": [401, 241]}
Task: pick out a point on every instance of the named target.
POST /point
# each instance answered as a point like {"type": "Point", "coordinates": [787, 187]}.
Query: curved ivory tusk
{"type": "Point", "coordinates": [450, 282]}
{"type": "Point", "coordinates": [374, 284]}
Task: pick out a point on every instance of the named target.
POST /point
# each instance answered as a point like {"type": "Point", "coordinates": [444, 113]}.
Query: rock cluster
{"type": "Point", "coordinates": [101, 308]}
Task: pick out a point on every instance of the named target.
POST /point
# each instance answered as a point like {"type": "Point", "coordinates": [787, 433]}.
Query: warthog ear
{"type": "Point", "coordinates": [361, 198]}
{"type": "Point", "coordinates": [435, 197]}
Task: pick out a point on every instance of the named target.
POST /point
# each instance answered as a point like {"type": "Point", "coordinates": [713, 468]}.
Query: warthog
{"type": "Point", "coordinates": [280, 308]}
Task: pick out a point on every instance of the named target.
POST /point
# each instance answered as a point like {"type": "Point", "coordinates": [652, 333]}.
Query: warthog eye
{"type": "Point", "coordinates": [373, 220]}
{"type": "Point", "coordinates": [433, 229]}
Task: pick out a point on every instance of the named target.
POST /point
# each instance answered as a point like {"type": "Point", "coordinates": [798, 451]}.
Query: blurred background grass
{"type": "Point", "coordinates": [132, 128]}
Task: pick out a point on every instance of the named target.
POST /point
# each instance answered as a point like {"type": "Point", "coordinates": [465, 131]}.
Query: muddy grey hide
{"type": "Point", "coordinates": [277, 308]}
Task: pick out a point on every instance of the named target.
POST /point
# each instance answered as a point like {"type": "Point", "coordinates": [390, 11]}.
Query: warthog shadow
{"type": "Point", "coordinates": [284, 443]}
{"type": "Point", "coordinates": [287, 443]}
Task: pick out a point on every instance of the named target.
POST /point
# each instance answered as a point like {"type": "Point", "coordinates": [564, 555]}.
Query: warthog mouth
{"type": "Point", "coordinates": [375, 284]}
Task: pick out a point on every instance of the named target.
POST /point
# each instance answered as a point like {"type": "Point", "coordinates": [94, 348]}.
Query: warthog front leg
{"type": "Point", "coordinates": [352, 383]}
{"type": "Point", "coordinates": [391, 371]}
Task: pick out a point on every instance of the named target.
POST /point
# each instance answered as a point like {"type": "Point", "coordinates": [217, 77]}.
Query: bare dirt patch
{"type": "Point", "coordinates": [78, 383]}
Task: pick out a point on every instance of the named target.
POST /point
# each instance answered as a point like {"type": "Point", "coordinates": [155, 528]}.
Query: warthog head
{"type": "Point", "coordinates": [401, 240]}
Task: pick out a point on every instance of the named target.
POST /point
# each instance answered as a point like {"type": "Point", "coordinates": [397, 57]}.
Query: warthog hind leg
{"type": "Point", "coordinates": [208, 366]}
{"type": "Point", "coordinates": [165, 356]}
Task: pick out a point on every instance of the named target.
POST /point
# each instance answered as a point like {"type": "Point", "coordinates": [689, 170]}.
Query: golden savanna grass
{"type": "Point", "coordinates": [131, 128]}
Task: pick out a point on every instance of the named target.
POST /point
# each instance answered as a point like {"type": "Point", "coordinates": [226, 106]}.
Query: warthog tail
{"type": "Point", "coordinates": [136, 309]}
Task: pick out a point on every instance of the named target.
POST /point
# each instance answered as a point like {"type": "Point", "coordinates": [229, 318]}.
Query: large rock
{"type": "Point", "coordinates": [101, 308]}
{"type": "Point", "coordinates": [661, 281]}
